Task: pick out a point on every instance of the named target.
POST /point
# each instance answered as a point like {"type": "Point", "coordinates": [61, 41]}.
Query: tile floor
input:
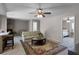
{"type": "Point", "coordinates": [18, 49]}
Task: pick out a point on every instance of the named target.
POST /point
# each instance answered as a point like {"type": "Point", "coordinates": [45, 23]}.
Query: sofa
{"type": "Point", "coordinates": [31, 35]}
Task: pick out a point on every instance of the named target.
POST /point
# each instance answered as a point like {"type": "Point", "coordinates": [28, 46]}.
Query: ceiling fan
{"type": "Point", "coordinates": [40, 12]}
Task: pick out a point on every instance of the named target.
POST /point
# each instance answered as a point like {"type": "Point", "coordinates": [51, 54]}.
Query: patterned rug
{"type": "Point", "coordinates": [48, 49]}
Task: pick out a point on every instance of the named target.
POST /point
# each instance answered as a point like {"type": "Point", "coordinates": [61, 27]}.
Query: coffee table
{"type": "Point", "coordinates": [38, 42]}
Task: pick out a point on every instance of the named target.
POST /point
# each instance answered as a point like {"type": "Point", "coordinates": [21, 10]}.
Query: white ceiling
{"type": "Point", "coordinates": [22, 10]}
{"type": "Point", "coordinates": [22, 6]}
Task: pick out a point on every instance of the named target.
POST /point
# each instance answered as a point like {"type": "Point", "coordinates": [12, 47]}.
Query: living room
{"type": "Point", "coordinates": [21, 17]}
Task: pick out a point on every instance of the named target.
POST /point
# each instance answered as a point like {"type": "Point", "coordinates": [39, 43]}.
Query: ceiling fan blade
{"type": "Point", "coordinates": [47, 12]}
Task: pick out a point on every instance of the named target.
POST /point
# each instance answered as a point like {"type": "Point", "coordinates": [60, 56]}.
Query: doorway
{"type": "Point", "coordinates": [68, 32]}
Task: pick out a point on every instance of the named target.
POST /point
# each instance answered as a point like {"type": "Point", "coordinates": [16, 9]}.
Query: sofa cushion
{"type": "Point", "coordinates": [32, 35]}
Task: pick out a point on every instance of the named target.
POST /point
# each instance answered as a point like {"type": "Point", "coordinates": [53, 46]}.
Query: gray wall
{"type": "Point", "coordinates": [2, 9]}
{"type": "Point", "coordinates": [0, 22]}
{"type": "Point", "coordinates": [3, 18]}
{"type": "Point", "coordinates": [3, 23]}
{"type": "Point", "coordinates": [18, 25]}
{"type": "Point", "coordinates": [52, 26]}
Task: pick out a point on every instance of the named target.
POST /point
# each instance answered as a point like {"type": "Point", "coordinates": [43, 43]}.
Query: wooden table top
{"type": "Point", "coordinates": [5, 36]}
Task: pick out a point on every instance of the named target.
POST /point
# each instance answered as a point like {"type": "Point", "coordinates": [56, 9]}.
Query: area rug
{"type": "Point", "coordinates": [49, 48]}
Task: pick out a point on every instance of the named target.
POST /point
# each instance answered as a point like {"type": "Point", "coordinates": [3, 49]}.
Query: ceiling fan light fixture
{"type": "Point", "coordinates": [68, 21]}
{"type": "Point", "coordinates": [39, 10]}
{"type": "Point", "coordinates": [40, 15]}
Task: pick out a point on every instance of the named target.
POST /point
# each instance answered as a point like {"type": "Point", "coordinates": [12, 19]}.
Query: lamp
{"type": "Point", "coordinates": [68, 20]}
{"type": "Point", "coordinates": [39, 13]}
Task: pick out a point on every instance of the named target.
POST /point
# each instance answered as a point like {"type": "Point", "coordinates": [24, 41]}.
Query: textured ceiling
{"type": "Point", "coordinates": [25, 6]}
{"type": "Point", "coordinates": [22, 10]}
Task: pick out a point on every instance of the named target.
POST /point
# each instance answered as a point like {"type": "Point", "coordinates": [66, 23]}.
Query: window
{"type": "Point", "coordinates": [34, 26]}
{"type": "Point", "coordinates": [73, 27]}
